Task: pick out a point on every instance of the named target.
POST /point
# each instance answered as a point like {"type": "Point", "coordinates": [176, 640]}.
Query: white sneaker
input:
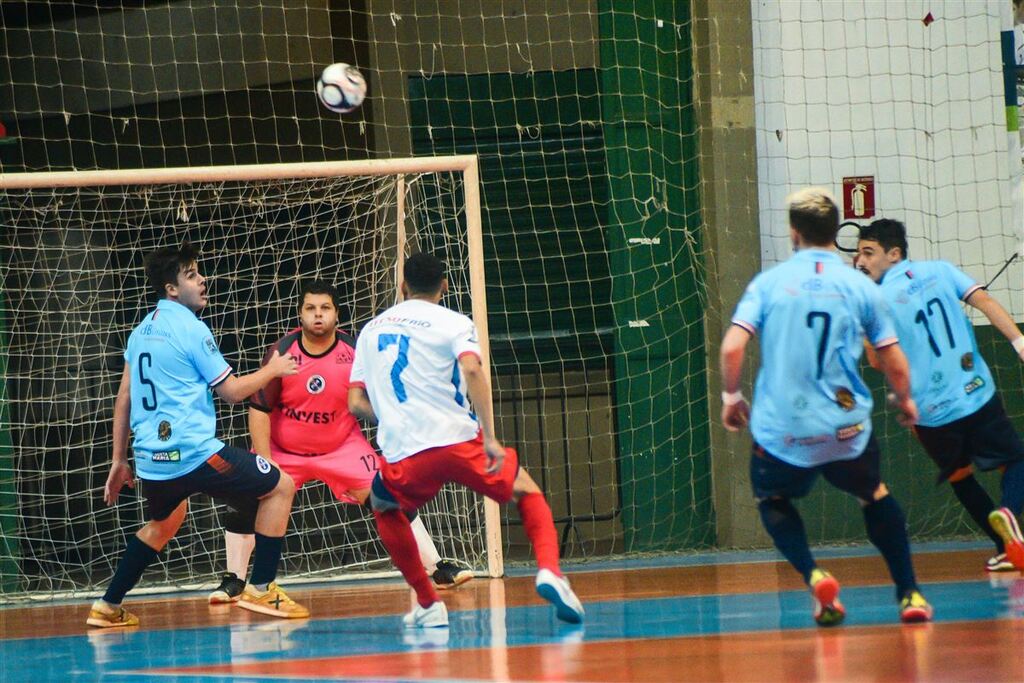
{"type": "Point", "coordinates": [435, 616]}
{"type": "Point", "coordinates": [556, 590]}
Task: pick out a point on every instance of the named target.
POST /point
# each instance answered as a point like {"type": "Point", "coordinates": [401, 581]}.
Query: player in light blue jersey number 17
{"type": "Point", "coordinates": [812, 411]}
{"type": "Point", "coordinates": [963, 423]}
{"type": "Point", "coordinates": [171, 365]}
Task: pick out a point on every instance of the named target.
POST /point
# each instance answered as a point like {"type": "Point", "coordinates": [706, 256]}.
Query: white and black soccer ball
{"type": "Point", "coordinates": [341, 88]}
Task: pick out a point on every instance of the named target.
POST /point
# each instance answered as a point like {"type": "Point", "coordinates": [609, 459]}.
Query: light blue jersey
{"type": "Point", "coordinates": [948, 377]}
{"type": "Point", "coordinates": [812, 312]}
{"type": "Point", "coordinates": [174, 363]}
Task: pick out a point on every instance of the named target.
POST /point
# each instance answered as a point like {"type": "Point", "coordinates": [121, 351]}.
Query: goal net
{"type": "Point", "coordinates": [74, 287]}
{"type": "Point", "coordinates": [633, 158]}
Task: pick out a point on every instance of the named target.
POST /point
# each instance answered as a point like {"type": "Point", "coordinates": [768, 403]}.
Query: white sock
{"type": "Point", "coordinates": [238, 548]}
{"type": "Point", "coordinates": [428, 553]}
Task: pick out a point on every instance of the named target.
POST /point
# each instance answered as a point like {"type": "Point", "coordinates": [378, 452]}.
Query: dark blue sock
{"type": "Point", "coordinates": [1013, 487]}
{"type": "Point", "coordinates": [978, 504]}
{"type": "Point", "coordinates": [782, 522]}
{"type": "Point", "coordinates": [887, 529]}
{"type": "Point", "coordinates": [265, 559]}
{"type": "Point", "coordinates": [137, 556]}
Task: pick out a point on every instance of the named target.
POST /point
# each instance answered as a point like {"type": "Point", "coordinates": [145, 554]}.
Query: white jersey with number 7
{"type": "Point", "coordinates": [407, 360]}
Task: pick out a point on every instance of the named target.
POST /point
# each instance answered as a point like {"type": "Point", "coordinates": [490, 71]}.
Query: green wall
{"type": "Point", "coordinates": [660, 360]}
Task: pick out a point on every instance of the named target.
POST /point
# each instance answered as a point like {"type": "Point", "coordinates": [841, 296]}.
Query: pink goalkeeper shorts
{"type": "Point", "coordinates": [350, 467]}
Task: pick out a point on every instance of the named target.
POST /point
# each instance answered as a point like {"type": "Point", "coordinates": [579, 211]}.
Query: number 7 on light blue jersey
{"type": "Point", "coordinates": [401, 361]}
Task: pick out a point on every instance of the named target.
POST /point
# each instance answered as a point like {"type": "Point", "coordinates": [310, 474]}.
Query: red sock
{"type": "Point", "coordinates": [540, 528]}
{"type": "Point", "coordinates": [396, 534]}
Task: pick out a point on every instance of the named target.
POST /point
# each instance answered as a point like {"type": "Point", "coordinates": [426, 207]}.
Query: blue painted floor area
{"type": "Point", "coordinates": [701, 559]}
{"type": "Point", "coordinates": [119, 656]}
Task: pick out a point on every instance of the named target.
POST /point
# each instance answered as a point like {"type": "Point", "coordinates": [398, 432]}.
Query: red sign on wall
{"type": "Point", "coordinates": [858, 197]}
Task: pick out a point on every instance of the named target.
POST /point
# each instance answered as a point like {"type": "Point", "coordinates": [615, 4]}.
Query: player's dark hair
{"type": "Point", "coordinates": [888, 233]}
{"type": "Point", "coordinates": [423, 273]}
{"type": "Point", "coordinates": [814, 215]}
{"type": "Point", "coordinates": [318, 287]}
{"type": "Point", "coordinates": [164, 264]}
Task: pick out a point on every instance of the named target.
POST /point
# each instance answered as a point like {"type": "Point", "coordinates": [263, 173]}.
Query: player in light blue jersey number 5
{"type": "Point", "coordinates": [171, 366]}
{"type": "Point", "coordinates": [812, 410]}
{"type": "Point", "coordinates": [963, 423]}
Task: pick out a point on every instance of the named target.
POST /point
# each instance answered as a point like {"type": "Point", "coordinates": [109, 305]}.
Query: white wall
{"type": "Point", "coordinates": [864, 87]}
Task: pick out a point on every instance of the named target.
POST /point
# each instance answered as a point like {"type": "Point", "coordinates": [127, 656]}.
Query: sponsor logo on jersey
{"type": "Point", "coordinates": [845, 399]}
{"type": "Point", "coordinates": [316, 384]}
{"type": "Point", "coordinates": [167, 456]}
{"type": "Point", "coordinates": [262, 465]}
{"type": "Point", "coordinates": [847, 433]}
{"type": "Point", "coordinates": [974, 385]}
{"type": "Point", "coordinates": [209, 346]}
{"type": "Point", "coordinates": [317, 417]}
{"type": "Point", "coordinates": [397, 320]}
{"type": "Point", "coordinates": [917, 285]}
{"type": "Point", "coordinates": [163, 431]}
{"type": "Point", "coordinates": [791, 440]}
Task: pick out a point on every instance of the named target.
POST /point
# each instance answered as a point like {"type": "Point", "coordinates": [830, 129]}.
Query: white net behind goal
{"type": "Point", "coordinates": [75, 287]}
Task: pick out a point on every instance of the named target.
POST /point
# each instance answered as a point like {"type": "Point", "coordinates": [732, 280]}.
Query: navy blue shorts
{"type": "Point", "coordinates": [774, 478]}
{"type": "Point", "coordinates": [234, 472]}
{"type": "Point", "coordinates": [986, 438]}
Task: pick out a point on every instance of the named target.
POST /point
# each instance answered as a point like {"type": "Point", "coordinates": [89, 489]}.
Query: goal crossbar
{"type": "Point", "coordinates": [199, 174]}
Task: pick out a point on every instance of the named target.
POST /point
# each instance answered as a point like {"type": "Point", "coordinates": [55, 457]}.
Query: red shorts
{"type": "Point", "coordinates": [350, 467]}
{"type": "Point", "coordinates": [415, 480]}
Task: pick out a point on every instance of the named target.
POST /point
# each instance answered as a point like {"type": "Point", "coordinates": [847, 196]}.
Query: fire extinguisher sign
{"type": "Point", "coordinates": [858, 197]}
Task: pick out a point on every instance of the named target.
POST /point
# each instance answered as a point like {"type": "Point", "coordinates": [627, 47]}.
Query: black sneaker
{"type": "Point", "coordinates": [229, 590]}
{"type": "Point", "coordinates": [449, 575]}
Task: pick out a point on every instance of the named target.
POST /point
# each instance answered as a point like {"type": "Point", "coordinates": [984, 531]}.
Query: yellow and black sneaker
{"type": "Point", "coordinates": [273, 601]}
{"type": "Point", "coordinates": [102, 615]}
{"type": "Point", "coordinates": [914, 608]}
{"type": "Point", "coordinates": [828, 611]}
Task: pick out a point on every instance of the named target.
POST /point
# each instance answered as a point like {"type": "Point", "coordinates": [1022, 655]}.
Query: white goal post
{"type": "Point", "coordinates": [344, 217]}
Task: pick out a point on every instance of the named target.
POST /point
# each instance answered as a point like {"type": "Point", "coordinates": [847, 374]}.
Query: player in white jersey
{"type": "Point", "coordinates": [301, 423]}
{"type": "Point", "coordinates": [418, 374]}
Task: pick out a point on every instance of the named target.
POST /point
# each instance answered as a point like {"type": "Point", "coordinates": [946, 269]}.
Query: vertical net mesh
{"type": "Point", "coordinates": [74, 288]}
{"type": "Point", "coordinates": [910, 96]}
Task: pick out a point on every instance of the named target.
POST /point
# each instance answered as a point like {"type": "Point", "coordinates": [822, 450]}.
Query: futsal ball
{"type": "Point", "coordinates": [341, 88]}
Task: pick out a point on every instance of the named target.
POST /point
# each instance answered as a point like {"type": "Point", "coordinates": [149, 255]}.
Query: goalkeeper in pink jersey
{"type": "Point", "coordinates": [303, 424]}
{"type": "Point", "coordinates": [418, 371]}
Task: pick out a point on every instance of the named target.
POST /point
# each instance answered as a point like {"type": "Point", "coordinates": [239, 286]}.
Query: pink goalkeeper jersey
{"type": "Point", "coordinates": [309, 410]}
{"type": "Point", "coordinates": [407, 360]}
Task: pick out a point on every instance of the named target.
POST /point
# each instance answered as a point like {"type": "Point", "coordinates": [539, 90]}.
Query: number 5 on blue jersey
{"type": "Point", "coordinates": [401, 361]}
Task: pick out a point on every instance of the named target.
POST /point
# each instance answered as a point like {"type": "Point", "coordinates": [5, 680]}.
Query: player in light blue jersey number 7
{"type": "Point", "coordinates": [172, 364]}
{"type": "Point", "coordinates": [812, 411]}
{"type": "Point", "coordinates": [963, 423]}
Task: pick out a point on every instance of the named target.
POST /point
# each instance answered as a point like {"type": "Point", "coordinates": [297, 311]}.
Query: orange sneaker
{"type": "Point", "coordinates": [828, 611]}
{"type": "Point", "coordinates": [1004, 523]}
